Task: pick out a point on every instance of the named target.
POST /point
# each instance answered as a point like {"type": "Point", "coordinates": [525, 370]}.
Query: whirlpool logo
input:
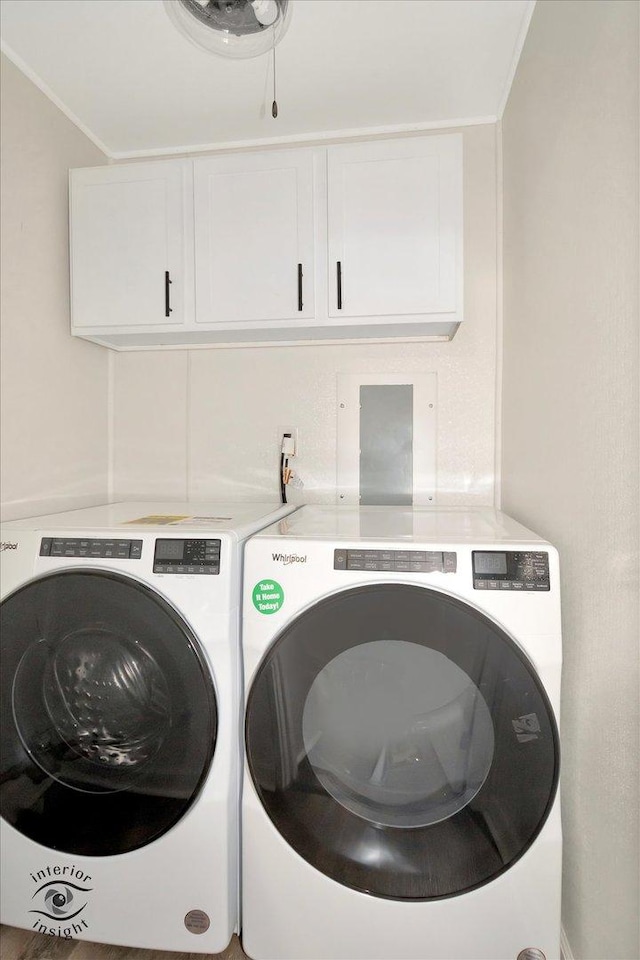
{"type": "Point", "coordinates": [61, 900]}
{"type": "Point", "coordinates": [8, 545]}
{"type": "Point", "coordinates": [287, 558]}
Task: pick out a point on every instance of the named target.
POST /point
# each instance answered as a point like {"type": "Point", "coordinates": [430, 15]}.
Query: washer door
{"type": "Point", "coordinates": [401, 742]}
{"type": "Point", "coordinates": [108, 713]}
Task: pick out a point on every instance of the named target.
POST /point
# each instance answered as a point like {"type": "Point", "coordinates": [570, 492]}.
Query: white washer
{"type": "Point", "coordinates": [121, 746]}
{"type": "Point", "coordinates": [402, 676]}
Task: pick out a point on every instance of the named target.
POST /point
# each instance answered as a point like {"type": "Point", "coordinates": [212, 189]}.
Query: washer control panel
{"type": "Point", "coordinates": [187, 556]}
{"type": "Point", "coordinates": [111, 547]}
{"type": "Point", "coordinates": [395, 561]}
{"type": "Point", "coordinates": [508, 570]}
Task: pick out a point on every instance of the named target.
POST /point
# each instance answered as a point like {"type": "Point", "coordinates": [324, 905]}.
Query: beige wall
{"type": "Point", "coordinates": [205, 423]}
{"type": "Point", "coordinates": [570, 421]}
{"type": "Point", "coordinates": [54, 389]}
{"type": "Point", "coordinates": [202, 423]}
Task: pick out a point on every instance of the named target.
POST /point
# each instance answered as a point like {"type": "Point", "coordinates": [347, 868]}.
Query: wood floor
{"type": "Point", "coordinates": [18, 944]}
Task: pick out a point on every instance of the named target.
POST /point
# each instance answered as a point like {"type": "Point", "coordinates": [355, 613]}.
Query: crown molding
{"type": "Point", "coordinates": [319, 137]}
{"type": "Point", "coordinates": [515, 60]}
{"type": "Point", "coordinates": [24, 68]}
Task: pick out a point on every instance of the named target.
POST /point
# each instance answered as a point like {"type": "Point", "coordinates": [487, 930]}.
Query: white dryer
{"type": "Point", "coordinates": [402, 679]}
{"type": "Point", "coordinates": [121, 743]}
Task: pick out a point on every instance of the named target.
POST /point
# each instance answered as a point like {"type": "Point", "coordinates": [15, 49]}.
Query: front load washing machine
{"type": "Point", "coordinates": [121, 741]}
{"type": "Point", "coordinates": [402, 678]}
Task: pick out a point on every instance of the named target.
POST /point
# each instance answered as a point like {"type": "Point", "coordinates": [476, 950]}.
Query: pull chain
{"type": "Point", "coordinates": [274, 105]}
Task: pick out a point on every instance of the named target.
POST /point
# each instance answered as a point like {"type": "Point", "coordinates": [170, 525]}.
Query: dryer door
{"type": "Point", "coordinates": [401, 742]}
{"type": "Point", "coordinates": [108, 713]}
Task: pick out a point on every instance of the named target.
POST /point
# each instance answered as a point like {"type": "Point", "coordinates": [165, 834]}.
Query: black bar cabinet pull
{"type": "Point", "coordinates": [299, 286]}
{"type": "Point", "coordinates": [167, 298]}
{"type": "Point", "coordinates": [339, 276]}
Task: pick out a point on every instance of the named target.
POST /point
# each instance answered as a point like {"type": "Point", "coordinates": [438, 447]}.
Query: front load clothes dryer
{"type": "Point", "coordinates": [121, 741]}
{"type": "Point", "coordinates": [402, 679]}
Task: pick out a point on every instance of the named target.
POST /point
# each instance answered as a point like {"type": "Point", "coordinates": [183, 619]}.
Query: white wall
{"type": "Point", "coordinates": [570, 437]}
{"type": "Point", "coordinates": [54, 389]}
{"type": "Point", "coordinates": [204, 424]}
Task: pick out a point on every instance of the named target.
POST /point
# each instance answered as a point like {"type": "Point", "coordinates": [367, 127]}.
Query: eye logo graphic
{"type": "Point", "coordinates": [61, 900]}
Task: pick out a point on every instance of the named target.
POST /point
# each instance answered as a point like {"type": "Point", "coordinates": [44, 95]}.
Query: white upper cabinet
{"type": "Point", "coordinates": [254, 237]}
{"type": "Point", "coordinates": [395, 228]}
{"type": "Point", "coordinates": [345, 242]}
{"type": "Point", "coordinates": [131, 246]}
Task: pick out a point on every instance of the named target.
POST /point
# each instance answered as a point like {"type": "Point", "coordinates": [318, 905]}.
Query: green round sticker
{"type": "Point", "coordinates": [268, 596]}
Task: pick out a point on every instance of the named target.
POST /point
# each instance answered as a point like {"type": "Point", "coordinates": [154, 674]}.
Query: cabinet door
{"type": "Point", "coordinates": [254, 237]}
{"type": "Point", "coordinates": [395, 227]}
{"type": "Point", "coordinates": [129, 240]}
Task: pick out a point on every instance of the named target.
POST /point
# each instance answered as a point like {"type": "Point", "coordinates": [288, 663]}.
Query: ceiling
{"type": "Point", "coordinates": [123, 73]}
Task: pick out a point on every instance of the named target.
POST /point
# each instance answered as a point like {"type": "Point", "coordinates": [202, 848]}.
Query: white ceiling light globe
{"type": "Point", "coordinates": [231, 28]}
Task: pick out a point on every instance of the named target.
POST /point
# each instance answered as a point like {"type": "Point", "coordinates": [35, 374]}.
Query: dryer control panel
{"type": "Point", "coordinates": [187, 556]}
{"type": "Point", "coordinates": [510, 570]}
{"type": "Point", "coordinates": [397, 561]}
{"type": "Point", "coordinates": [109, 548]}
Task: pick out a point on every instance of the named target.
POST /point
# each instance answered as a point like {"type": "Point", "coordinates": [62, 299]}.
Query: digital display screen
{"type": "Point", "coordinates": [495, 563]}
{"type": "Point", "coordinates": [169, 549]}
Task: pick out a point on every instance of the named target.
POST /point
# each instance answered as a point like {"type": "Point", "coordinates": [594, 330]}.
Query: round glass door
{"type": "Point", "coordinates": [108, 713]}
{"type": "Point", "coordinates": [401, 742]}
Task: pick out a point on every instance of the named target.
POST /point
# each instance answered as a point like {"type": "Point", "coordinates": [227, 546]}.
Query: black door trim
{"type": "Point", "coordinates": [109, 714]}
{"type": "Point", "coordinates": [439, 860]}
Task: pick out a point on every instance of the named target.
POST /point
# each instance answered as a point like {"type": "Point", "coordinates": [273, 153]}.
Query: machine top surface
{"type": "Point", "coordinates": [159, 516]}
{"type": "Point", "coordinates": [413, 524]}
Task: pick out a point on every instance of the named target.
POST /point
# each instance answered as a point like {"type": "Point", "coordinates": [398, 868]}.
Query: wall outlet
{"type": "Point", "coordinates": [294, 436]}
